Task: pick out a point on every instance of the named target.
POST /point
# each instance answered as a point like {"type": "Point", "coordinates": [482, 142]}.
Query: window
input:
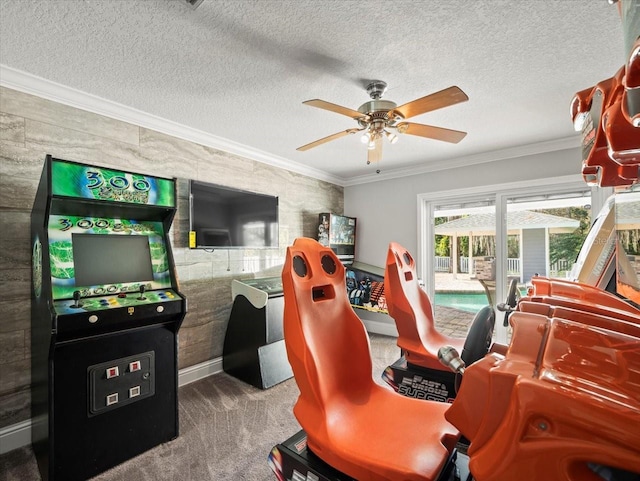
{"type": "Point", "coordinates": [501, 240]}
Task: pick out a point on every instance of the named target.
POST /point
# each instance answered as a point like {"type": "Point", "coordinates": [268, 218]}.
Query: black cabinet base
{"type": "Point", "coordinates": [293, 461]}
{"type": "Point", "coordinates": [97, 422]}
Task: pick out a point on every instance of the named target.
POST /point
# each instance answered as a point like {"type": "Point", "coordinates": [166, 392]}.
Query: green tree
{"type": "Point", "coordinates": [567, 246]}
{"type": "Point", "coordinates": [441, 241]}
{"type": "Point", "coordinates": [442, 246]}
{"type": "Point", "coordinates": [513, 246]}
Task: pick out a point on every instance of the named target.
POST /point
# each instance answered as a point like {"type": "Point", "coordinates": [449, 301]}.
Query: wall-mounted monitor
{"type": "Point", "coordinates": [226, 218]}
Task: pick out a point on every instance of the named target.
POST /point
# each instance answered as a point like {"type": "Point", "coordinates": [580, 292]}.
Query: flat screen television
{"type": "Point", "coordinates": [226, 218]}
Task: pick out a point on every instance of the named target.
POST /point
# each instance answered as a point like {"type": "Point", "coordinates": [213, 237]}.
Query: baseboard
{"type": "Point", "coordinates": [19, 434]}
{"type": "Point", "coordinates": [379, 327]}
{"type": "Point", "coordinates": [15, 436]}
{"type": "Point", "coordinates": [199, 371]}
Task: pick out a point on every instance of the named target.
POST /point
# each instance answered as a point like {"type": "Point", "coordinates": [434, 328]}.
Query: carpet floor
{"type": "Point", "coordinates": [227, 429]}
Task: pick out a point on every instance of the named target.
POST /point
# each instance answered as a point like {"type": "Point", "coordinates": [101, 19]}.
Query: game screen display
{"type": "Point", "coordinates": [111, 259]}
{"type": "Point", "coordinates": [98, 256]}
{"type": "Point", "coordinates": [366, 290]}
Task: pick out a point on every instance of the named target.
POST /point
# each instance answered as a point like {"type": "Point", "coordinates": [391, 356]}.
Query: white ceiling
{"type": "Point", "coordinates": [240, 69]}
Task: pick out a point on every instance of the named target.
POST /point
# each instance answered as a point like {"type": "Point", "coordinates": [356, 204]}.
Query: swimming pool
{"type": "Point", "coordinates": [465, 301]}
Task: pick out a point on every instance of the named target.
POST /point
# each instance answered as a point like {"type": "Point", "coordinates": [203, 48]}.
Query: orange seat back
{"type": "Point", "coordinates": [408, 304]}
{"type": "Point", "coordinates": [327, 344]}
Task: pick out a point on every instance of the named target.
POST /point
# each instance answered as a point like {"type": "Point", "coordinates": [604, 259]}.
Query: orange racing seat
{"type": "Point", "coordinates": [355, 425]}
{"type": "Point", "coordinates": [408, 304]}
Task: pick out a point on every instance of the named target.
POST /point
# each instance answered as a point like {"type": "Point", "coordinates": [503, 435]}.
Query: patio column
{"type": "Point", "coordinates": [454, 254]}
{"type": "Point", "coordinates": [520, 256]}
{"type": "Point", "coordinates": [470, 263]}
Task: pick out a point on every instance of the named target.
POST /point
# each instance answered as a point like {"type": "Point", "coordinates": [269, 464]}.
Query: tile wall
{"type": "Point", "coordinates": [31, 127]}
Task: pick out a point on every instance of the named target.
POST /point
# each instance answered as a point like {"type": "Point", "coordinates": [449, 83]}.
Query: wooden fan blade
{"type": "Point", "coordinates": [328, 139]}
{"type": "Point", "coordinates": [375, 154]}
{"type": "Point", "coordinates": [431, 132]}
{"type": "Point", "coordinates": [339, 109]}
{"type": "Point", "coordinates": [438, 100]}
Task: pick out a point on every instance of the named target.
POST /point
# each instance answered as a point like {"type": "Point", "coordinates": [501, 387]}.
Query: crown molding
{"type": "Point", "coordinates": [31, 84]}
{"type": "Point", "coordinates": [481, 158]}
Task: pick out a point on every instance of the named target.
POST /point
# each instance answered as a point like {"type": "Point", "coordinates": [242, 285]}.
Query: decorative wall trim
{"type": "Point", "coordinates": [481, 158]}
{"type": "Point", "coordinates": [31, 84]}
{"type": "Point", "coordinates": [19, 434]}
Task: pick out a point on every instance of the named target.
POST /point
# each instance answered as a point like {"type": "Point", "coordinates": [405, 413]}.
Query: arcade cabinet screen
{"type": "Point", "coordinates": [101, 259]}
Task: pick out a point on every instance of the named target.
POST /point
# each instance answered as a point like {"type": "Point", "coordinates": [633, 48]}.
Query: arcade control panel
{"type": "Point", "coordinates": [115, 311]}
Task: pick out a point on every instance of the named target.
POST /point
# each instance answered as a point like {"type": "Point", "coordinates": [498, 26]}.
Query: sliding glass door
{"type": "Point", "coordinates": [544, 233]}
{"type": "Point", "coordinates": [464, 262]}
{"type": "Point", "coordinates": [474, 241]}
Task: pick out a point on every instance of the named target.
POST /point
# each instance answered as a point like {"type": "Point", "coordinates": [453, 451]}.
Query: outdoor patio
{"type": "Point", "coordinates": [452, 322]}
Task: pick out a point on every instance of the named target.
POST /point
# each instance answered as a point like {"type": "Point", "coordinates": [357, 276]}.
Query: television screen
{"type": "Point", "coordinates": [222, 217]}
{"type": "Point", "coordinates": [101, 259]}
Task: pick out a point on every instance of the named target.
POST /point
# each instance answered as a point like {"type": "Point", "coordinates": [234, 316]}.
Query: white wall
{"type": "Point", "coordinates": [387, 210]}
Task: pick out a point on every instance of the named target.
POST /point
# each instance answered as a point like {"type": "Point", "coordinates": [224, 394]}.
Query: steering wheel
{"type": "Point", "coordinates": [512, 300]}
{"type": "Point", "coordinates": [478, 340]}
{"type": "Point", "coordinates": [513, 294]}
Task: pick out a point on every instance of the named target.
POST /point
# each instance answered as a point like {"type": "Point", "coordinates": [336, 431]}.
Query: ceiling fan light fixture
{"type": "Point", "coordinates": [391, 137]}
{"type": "Point", "coordinates": [377, 118]}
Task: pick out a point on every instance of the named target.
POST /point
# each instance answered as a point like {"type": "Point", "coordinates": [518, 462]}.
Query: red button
{"type": "Point", "coordinates": [134, 366]}
{"type": "Point", "coordinates": [113, 372]}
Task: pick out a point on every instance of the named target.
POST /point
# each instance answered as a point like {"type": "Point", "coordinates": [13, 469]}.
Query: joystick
{"type": "Point", "coordinates": [76, 299]}
{"type": "Point", "coordinates": [141, 297]}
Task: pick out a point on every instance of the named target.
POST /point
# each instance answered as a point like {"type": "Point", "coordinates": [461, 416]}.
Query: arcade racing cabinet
{"type": "Point", "coordinates": [419, 372]}
{"type": "Point", "coordinates": [105, 315]}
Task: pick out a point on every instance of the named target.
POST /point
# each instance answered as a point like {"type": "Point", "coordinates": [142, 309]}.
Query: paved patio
{"type": "Point", "coordinates": [452, 322]}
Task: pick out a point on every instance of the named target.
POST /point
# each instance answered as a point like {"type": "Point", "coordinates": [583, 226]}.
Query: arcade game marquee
{"type": "Point", "coordinates": [105, 316]}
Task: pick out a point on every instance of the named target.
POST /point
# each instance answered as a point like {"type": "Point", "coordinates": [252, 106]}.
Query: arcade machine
{"type": "Point", "coordinates": [365, 288]}
{"type": "Point", "coordinates": [365, 283]}
{"type": "Point", "coordinates": [106, 311]}
{"type": "Point", "coordinates": [339, 233]}
{"type": "Point", "coordinates": [254, 349]}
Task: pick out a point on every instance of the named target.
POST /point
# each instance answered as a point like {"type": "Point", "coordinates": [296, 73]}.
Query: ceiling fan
{"type": "Point", "coordinates": [378, 118]}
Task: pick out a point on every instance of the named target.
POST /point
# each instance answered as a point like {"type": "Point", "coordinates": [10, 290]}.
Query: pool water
{"type": "Point", "coordinates": [470, 302]}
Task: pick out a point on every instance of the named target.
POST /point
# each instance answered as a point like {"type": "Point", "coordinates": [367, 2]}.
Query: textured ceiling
{"type": "Point", "coordinates": [240, 69]}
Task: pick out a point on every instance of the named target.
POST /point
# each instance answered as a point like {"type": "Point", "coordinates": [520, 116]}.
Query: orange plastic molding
{"type": "Point", "coordinates": [570, 294]}
{"type": "Point", "coordinates": [357, 426]}
{"type": "Point", "coordinates": [566, 395]}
